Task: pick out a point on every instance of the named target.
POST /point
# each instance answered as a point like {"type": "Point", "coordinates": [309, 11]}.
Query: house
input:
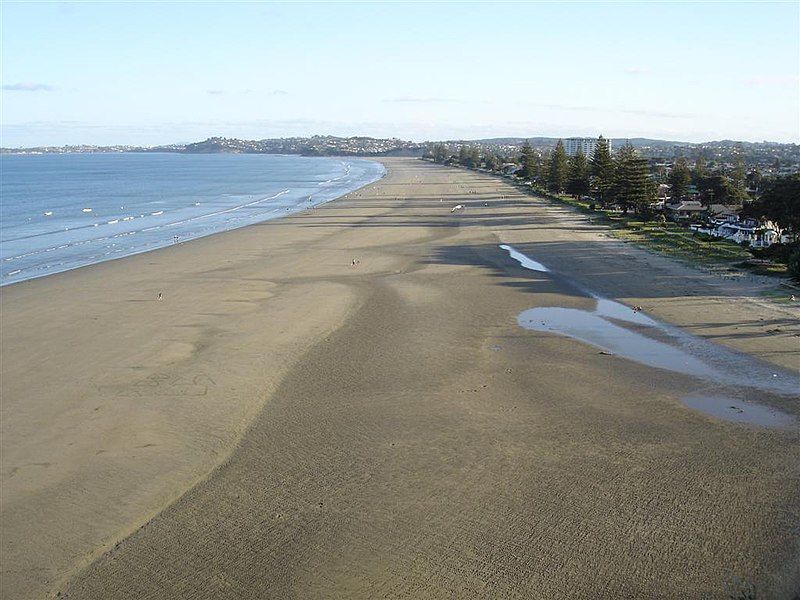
{"type": "Point", "coordinates": [686, 209]}
{"type": "Point", "coordinates": [720, 213]}
{"type": "Point", "coordinates": [750, 232]}
{"type": "Point", "coordinates": [509, 168]}
{"type": "Point", "coordinates": [742, 231]}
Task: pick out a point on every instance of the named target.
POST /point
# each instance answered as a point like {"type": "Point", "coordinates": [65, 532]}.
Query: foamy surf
{"type": "Point", "coordinates": [182, 197]}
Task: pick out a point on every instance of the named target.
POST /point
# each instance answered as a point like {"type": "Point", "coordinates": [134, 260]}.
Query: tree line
{"type": "Point", "coordinates": [622, 179]}
{"type": "Point", "coordinates": [625, 179]}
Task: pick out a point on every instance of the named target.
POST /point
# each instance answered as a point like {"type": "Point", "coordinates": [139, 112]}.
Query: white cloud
{"type": "Point", "coordinates": [28, 86]}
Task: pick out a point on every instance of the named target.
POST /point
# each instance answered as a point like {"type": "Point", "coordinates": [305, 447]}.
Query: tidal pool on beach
{"type": "Point", "coordinates": [738, 411]}
{"type": "Point", "coordinates": [596, 329]}
{"type": "Point", "coordinates": [737, 381]}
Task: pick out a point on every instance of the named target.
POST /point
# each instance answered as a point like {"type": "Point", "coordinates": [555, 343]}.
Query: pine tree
{"type": "Point", "coordinates": [679, 179]}
{"type": "Point", "coordinates": [557, 177]}
{"type": "Point", "coordinates": [527, 159]}
{"type": "Point", "coordinates": [463, 154]}
{"type": "Point", "coordinates": [578, 179]}
{"type": "Point", "coordinates": [633, 187]}
{"type": "Point", "coordinates": [439, 153]}
{"type": "Point", "coordinates": [543, 170]}
{"type": "Point", "coordinates": [602, 168]}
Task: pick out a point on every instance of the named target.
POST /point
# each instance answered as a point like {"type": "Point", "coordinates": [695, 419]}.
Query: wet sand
{"type": "Point", "coordinates": [286, 423]}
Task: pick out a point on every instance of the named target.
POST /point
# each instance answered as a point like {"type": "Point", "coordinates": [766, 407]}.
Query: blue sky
{"type": "Point", "coordinates": [149, 73]}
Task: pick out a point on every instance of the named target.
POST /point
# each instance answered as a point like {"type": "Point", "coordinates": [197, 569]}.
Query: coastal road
{"type": "Point", "coordinates": [341, 404]}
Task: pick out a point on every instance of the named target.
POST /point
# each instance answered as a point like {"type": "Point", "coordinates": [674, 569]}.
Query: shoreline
{"type": "Point", "coordinates": [168, 242]}
{"type": "Point", "coordinates": [81, 283]}
{"type": "Point", "coordinates": [356, 402]}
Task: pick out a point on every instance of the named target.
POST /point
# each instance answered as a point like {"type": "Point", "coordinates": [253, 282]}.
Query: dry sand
{"type": "Point", "coordinates": [285, 424]}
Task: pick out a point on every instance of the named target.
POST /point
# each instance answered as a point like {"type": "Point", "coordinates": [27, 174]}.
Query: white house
{"type": "Point", "coordinates": [757, 235]}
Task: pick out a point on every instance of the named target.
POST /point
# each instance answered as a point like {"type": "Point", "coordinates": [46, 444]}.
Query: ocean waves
{"type": "Point", "coordinates": [128, 215]}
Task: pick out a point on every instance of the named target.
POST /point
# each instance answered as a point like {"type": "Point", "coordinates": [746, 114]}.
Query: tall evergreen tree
{"type": "Point", "coordinates": [679, 179]}
{"type": "Point", "coordinates": [463, 154]}
{"type": "Point", "coordinates": [492, 161]}
{"type": "Point", "coordinates": [602, 168]}
{"type": "Point", "coordinates": [439, 153]}
{"type": "Point", "coordinates": [633, 187]}
{"type": "Point", "coordinates": [557, 176]}
{"type": "Point", "coordinates": [578, 178]}
{"type": "Point", "coordinates": [543, 170]}
{"type": "Point", "coordinates": [527, 159]}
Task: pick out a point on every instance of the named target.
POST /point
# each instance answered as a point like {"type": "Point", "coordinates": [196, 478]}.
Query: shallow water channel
{"type": "Point", "coordinates": [735, 384]}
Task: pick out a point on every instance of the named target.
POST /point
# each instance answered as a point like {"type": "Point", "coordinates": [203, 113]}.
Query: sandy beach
{"type": "Point", "coordinates": [341, 404]}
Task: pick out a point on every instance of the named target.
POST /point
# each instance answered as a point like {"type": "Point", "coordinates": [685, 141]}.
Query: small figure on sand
{"type": "Point", "coordinates": [160, 296]}
{"type": "Point", "coordinates": [175, 239]}
{"type": "Point", "coordinates": [637, 309]}
{"type": "Point", "coordinates": [356, 262]}
{"type": "Point", "coordinates": [457, 207]}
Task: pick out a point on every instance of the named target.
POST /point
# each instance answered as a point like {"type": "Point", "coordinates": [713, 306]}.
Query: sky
{"type": "Point", "coordinates": [148, 73]}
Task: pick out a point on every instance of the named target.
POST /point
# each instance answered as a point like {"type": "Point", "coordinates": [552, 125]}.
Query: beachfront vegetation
{"type": "Point", "coordinates": [528, 161]}
{"type": "Point", "coordinates": [638, 197]}
{"type": "Point", "coordinates": [578, 180]}
{"type": "Point", "coordinates": [632, 187]}
{"type": "Point", "coordinates": [780, 202]}
{"type": "Point", "coordinates": [602, 168]}
{"type": "Point", "coordinates": [557, 175]}
{"type": "Point", "coordinates": [680, 178]}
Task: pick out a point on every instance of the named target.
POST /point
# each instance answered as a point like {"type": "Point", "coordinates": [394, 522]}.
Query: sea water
{"type": "Point", "coordinates": [62, 211]}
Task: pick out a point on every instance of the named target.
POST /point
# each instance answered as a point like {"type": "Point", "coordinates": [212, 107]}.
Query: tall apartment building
{"type": "Point", "coordinates": [585, 145]}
